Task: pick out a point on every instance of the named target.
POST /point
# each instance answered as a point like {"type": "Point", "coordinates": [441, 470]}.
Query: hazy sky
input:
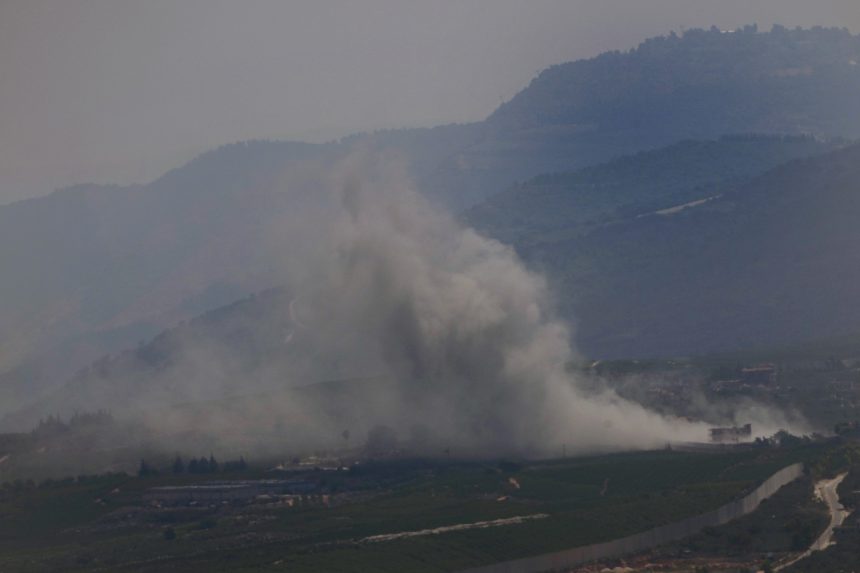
{"type": "Point", "coordinates": [122, 90]}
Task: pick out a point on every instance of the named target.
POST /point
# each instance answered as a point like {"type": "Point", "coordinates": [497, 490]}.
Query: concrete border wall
{"type": "Point", "coordinates": [651, 538]}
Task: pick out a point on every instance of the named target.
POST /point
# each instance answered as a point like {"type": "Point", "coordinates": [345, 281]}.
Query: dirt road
{"type": "Point", "coordinates": [826, 491]}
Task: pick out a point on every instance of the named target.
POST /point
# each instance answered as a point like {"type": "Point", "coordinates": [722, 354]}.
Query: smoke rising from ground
{"type": "Point", "coordinates": [393, 287]}
{"type": "Point", "coordinates": [442, 334]}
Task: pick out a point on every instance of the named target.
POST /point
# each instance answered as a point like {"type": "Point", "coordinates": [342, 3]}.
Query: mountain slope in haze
{"type": "Point", "coordinates": [90, 269]}
{"type": "Point", "coordinates": [576, 202]}
{"type": "Point", "coordinates": [701, 85]}
{"type": "Point", "coordinates": [772, 261]}
{"type": "Point", "coordinates": [233, 355]}
{"type": "Point", "coordinates": [704, 81]}
{"type": "Point", "coordinates": [201, 359]}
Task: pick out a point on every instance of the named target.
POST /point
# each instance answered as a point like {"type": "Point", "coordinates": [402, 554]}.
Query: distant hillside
{"type": "Point", "coordinates": [576, 202]}
{"type": "Point", "coordinates": [769, 262]}
{"type": "Point", "coordinates": [701, 85]}
{"type": "Point", "coordinates": [703, 82]}
{"type": "Point", "coordinates": [204, 359]}
{"type": "Point", "coordinates": [250, 360]}
{"type": "Point", "coordinates": [737, 271]}
{"type": "Point", "coordinates": [90, 269]}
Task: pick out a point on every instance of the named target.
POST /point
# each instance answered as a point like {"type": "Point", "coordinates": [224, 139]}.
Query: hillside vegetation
{"type": "Point", "coordinates": [91, 270]}
{"type": "Point", "coordinates": [572, 203]}
{"type": "Point", "coordinates": [767, 262]}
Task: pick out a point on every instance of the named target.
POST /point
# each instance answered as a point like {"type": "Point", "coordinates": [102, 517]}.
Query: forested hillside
{"type": "Point", "coordinates": [771, 261]}
{"type": "Point", "coordinates": [573, 203]}
{"type": "Point", "coordinates": [701, 85]}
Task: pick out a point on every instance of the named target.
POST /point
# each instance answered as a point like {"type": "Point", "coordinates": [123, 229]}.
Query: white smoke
{"type": "Point", "coordinates": [391, 286]}
{"type": "Point", "coordinates": [456, 340]}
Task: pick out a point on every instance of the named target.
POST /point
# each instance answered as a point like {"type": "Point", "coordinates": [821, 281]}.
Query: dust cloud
{"type": "Point", "coordinates": [395, 288]}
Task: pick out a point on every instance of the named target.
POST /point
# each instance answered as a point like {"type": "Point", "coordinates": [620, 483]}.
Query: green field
{"type": "Point", "coordinates": [102, 524]}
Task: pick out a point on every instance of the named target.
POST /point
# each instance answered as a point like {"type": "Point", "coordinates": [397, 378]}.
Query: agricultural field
{"type": "Point", "coordinates": [352, 521]}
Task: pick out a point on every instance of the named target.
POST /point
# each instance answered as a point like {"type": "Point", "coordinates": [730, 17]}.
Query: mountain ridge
{"type": "Point", "coordinates": [84, 263]}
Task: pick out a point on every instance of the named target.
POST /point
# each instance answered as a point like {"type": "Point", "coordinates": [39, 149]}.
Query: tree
{"type": "Point", "coordinates": [236, 466]}
{"type": "Point", "coordinates": [178, 466]}
{"type": "Point", "coordinates": [213, 465]}
{"type": "Point", "coordinates": [145, 470]}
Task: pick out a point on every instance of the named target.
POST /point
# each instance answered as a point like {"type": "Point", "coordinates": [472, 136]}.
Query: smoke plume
{"type": "Point", "coordinates": [434, 331]}
{"type": "Point", "coordinates": [391, 286]}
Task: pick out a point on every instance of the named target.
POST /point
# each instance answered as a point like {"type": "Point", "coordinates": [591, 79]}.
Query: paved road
{"type": "Point", "coordinates": [825, 490]}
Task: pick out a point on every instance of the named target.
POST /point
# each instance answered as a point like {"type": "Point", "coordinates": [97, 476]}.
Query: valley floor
{"type": "Point", "coordinates": [365, 518]}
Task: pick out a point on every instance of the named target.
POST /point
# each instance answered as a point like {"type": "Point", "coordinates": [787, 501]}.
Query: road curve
{"type": "Point", "coordinates": [825, 490]}
{"type": "Point", "coordinates": [838, 513]}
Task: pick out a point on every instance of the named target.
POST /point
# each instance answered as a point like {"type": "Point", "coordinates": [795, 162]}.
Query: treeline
{"type": "Point", "coordinates": [53, 425]}
{"type": "Point", "coordinates": [201, 465]}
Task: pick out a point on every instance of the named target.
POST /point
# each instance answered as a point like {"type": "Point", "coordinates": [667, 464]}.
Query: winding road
{"type": "Point", "coordinates": [825, 490]}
